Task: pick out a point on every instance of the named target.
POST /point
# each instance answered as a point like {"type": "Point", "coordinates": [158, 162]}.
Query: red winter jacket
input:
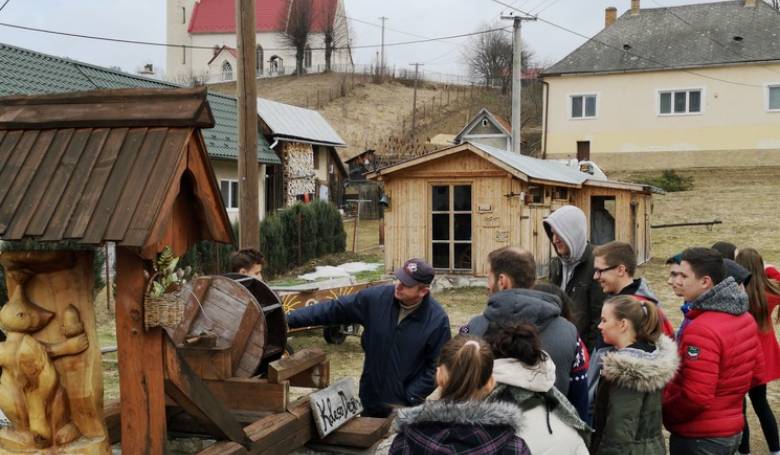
{"type": "Point", "coordinates": [720, 360]}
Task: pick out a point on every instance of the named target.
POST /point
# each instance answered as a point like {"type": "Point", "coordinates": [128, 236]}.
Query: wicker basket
{"type": "Point", "coordinates": [163, 311]}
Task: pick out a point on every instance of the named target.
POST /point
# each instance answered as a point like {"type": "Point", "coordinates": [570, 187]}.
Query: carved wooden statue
{"type": "Point", "coordinates": [51, 385]}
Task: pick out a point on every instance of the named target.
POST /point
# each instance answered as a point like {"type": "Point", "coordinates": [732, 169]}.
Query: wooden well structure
{"type": "Point", "coordinates": [128, 167]}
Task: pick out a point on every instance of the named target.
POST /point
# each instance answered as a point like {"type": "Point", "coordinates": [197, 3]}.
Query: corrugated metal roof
{"type": "Point", "coordinates": [63, 178]}
{"type": "Point", "coordinates": [26, 72]}
{"type": "Point", "coordinates": [294, 122]}
{"type": "Point", "coordinates": [683, 36]}
{"type": "Point", "coordinates": [535, 168]}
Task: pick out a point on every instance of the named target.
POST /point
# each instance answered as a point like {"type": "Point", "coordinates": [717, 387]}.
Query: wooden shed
{"type": "Point", "coordinates": [455, 205]}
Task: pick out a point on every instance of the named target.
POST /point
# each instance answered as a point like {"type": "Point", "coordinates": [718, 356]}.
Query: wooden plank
{"type": "Point", "coordinates": [286, 368]}
{"type": "Point", "coordinates": [82, 186]}
{"type": "Point", "coordinates": [141, 382]}
{"type": "Point", "coordinates": [18, 174]}
{"type": "Point", "coordinates": [39, 191]}
{"type": "Point", "coordinates": [276, 434]}
{"type": "Point", "coordinates": [200, 287]}
{"type": "Point", "coordinates": [206, 362]}
{"type": "Point", "coordinates": [252, 314]}
{"type": "Point", "coordinates": [251, 394]}
{"type": "Point", "coordinates": [91, 220]}
{"type": "Point", "coordinates": [316, 377]}
{"type": "Point", "coordinates": [162, 177]}
{"type": "Point", "coordinates": [7, 146]}
{"type": "Point", "coordinates": [118, 152]}
{"type": "Point", "coordinates": [189, 392]}
{"type": "Point", "coordinates": [362, 432]}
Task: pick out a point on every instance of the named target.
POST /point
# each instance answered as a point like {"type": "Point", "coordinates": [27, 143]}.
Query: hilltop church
{"type": "Point", "coordinates": [212, 24]}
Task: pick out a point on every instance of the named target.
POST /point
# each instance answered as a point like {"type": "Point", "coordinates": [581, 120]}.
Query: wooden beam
{"type": "Point", "coordinates": [286, 368]}
{"type": "Point", "coordinates": [250, 394]}
{"type": "Point", "coordinates": [252, 314]}
{"type": "Point", "coordinates": [141, 382]}
{"type": "Point", "coordinates": [316, 377]}
{"type": "Point", "coordinates": [276, 434]}
{"type": "Point", "coordinates": [249, 224]}
{"type": "Point", "coordinates": [189, 392]}
{"type": "Point", "coordinates": [362, 432]}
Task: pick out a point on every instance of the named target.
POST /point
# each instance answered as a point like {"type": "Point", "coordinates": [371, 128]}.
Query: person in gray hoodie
{"type": "Point", "coordinates": [511, 273]}
{"type": "Point", "coordinates": [572, 270]}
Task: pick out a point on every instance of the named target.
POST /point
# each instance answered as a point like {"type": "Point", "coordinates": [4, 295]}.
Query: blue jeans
{"type": "Point", "coordinates": [679, 445]}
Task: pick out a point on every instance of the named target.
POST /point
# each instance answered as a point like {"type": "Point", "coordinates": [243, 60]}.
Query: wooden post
{"type": "Point", "coordinates": [141, 379]}
{"type": "Point", "coordinates": [249, 216]}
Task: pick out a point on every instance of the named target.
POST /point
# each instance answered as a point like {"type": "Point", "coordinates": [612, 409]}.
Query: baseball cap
{"type": "Point", "coordinates": [415, 271]}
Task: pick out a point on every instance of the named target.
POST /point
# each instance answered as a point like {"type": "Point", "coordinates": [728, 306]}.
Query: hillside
{"type": "Point", "coordinates": [378, 116]}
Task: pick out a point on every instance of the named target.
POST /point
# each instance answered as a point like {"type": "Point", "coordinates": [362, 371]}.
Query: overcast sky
{"type": "Point", "coordinates": [145, 20]}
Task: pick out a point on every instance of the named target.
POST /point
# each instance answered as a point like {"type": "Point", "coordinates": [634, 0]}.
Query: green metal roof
{"type": "Point", "coordinates": [25, 72]}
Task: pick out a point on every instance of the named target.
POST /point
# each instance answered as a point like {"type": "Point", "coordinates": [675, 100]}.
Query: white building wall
{"type": "Point", "coordinates": [228, 170]}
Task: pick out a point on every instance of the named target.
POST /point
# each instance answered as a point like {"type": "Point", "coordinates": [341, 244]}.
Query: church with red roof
{"type": "Point", "coordinates": [206, 29]}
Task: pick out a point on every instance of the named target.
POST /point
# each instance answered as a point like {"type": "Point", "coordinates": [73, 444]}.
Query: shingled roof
{"type": "Point", "coordinates": [108, 165]}
{"type": "Point", "coordinates": [26, 72]}
{"type": "Point", "coordinates": [689, 36]}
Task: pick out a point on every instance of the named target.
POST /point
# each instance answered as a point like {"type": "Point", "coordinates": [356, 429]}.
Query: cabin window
{"type": "Point", "coordinates": [535, 195]}
{"type": "Point", "coordinates": [602, 219]}
{"type": "Point", "coordinates": [561, 193]}
{"type": "Point", "coordinates": [451, 227]}
{"type": "Point", "coordinates": [229, 189]}
{"type": "Point", "coordinates": [316, 157]}
{"type": "Point", "coordinates": [774, 97]}
{"type": "Point", "coordinates": [583, 106]}
{"type": "Point", "coordinates": [678, 102]}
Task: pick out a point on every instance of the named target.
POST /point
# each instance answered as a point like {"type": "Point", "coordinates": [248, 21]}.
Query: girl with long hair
{"type": "Point", "coordinates": [763, 296]}
{"type": "Point", "coordinates": [631, 375]}
{"type": "Point", "coordinates": [461, 421]}
{"type": "Point", "coordinates": [525, 376]}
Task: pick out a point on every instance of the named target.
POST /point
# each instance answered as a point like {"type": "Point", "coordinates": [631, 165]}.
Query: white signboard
{"type": "Point", "coordinates": [335, 406]}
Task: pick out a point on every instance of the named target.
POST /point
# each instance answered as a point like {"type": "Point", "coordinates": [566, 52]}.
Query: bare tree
{"type": "Point", "coordinates": [335, 31]}
{"type": "Point", "coordinates": [296, 27]}
{"type": "Point", "coordinates": [489, 58]}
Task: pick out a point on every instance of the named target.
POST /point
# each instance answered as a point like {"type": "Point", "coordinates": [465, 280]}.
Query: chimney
{"type": "Point", "coordinates": [750, 3]}
{"type": "Point", "coordinates": [610, 16]}
{"type": "Point", "coordinates": [635, 7]}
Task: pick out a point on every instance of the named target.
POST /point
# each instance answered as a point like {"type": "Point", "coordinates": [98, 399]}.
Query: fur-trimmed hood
{"type": "Point", "coordinates": [640, 370]}
{"type": "Point", "coordinates": [484, 413]}
{"type": "Point", "coordinates": [725, 297]}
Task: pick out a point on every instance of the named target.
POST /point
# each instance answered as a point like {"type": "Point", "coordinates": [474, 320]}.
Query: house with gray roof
{"type": "Point", "coordinates": [670, 87]}
{"type": "Point", "coordinates": [306, 144]}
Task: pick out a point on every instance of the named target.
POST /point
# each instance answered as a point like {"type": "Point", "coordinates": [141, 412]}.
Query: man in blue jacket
{"type": "Point", "coordinates": [405, 329]}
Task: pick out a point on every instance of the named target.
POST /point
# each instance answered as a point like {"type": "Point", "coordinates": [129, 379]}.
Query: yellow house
{"type": "Point", "coordinates": [674, 87]}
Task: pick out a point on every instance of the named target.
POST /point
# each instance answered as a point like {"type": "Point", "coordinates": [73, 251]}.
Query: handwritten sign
{"type": "Point", "coordinates": [335, 406]}
{"type": "Point", "coordinates": [502, 236]}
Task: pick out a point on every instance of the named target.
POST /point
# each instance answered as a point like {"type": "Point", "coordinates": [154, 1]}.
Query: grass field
{"type": "Point", "coordinates": [746, 200]}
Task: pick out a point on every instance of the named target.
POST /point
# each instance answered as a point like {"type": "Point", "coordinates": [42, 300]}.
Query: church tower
{"type": "Point", "coordinates": [178, 66]}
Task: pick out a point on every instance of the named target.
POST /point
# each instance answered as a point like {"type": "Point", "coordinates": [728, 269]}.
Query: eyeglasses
{"type": "Point", "coordinates": [597, 272]}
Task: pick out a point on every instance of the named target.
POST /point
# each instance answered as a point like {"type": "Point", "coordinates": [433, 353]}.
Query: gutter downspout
{"type": "Point", "coordinates": [276, 142]}
{"type": "Point", "coordinates": [545, 117]}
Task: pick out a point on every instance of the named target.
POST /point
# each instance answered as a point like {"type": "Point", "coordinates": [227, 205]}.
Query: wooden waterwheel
{"type": "Point", "coordinates": [231, 326]}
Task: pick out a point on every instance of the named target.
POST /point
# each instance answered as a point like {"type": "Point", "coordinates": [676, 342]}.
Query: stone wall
{"type": "Point", "coordinates": [299, 175]}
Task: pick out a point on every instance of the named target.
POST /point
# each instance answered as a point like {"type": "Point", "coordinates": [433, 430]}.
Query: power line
{"type": "Point", "coordinates": [189, 46]}
{"type": "Point", "coordinates": [633, 54]}
{"type": "Point", "coordinates": [4, 5]}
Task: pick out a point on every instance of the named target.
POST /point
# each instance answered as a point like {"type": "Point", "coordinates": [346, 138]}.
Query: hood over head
{"type": "Point", "coordinates": [571, 225]}
{"type": "Point", "coordinates": [461, 413]}
{"type": "Point", "coordinates": [641, 370]}
{"type": "Point", "coordinates": [726, 297]}
{"type": "Point", "coordinates": [535, 378]}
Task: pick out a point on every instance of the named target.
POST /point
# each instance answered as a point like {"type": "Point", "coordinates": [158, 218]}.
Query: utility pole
{"type": "Point", "coordinates": [382, 48]}
{"type": "Point", "coordinates": [249, 224]}
{"type": "Point", "coordinates": [517, 79]}
{"type": "Point", "coordinates": [414, 98]}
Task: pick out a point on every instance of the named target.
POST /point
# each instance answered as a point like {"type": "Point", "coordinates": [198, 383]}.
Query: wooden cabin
{"type": "Point", "coordinates": [455, 205]}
